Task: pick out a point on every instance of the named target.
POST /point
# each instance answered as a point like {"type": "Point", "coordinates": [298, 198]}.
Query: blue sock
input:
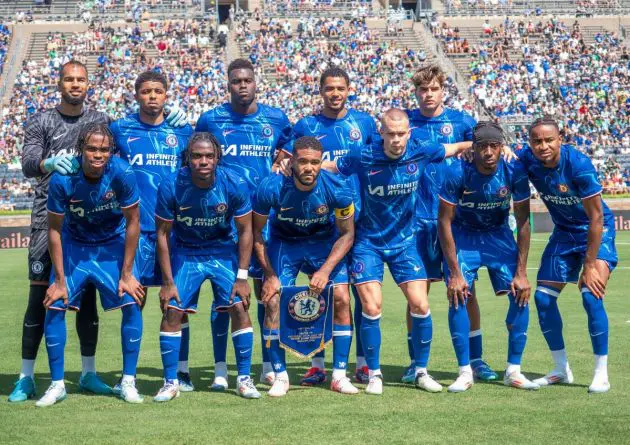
{"type": "Point", "coordinates": [276, 353]}
{"type": "Point", "coordinates": [169, 348]}
{"type": "Point", "coordinates": [517, 321]}
{"type": "Point", "coordinates": [219, 325]}
{"type": "Point", "coordinates": [597, 322]}
{"type": "Point", "coordinates": [549, 316]}
{"type": "Point", "coordinates": [371, 338]}
{"type": "Point", "coordinates": [412, 357]}
{"type": "Point", "coordinates": [475, 345]}
{"type": "Point", "coordinates": [421, 336]}
{"type": "Point", "coordinates": [342, 340]}
{"type": "Point", "coordinates": [260, 314]}
{"type": "Point", "coordinates": [185, 344]}
{"type": "Point", "coordinates": [243, 341]}
{"type": "Point", "coordinates": [55, 331]}
{"type": "Point", "coordinates": [357, 315]}
{"type": "Point", "coordinates": [459, 325]}
{"type": "Point", "coordinates": [131, 336]}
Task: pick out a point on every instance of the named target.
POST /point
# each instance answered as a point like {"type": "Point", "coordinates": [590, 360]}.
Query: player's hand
{"type": "Point", "coordinates": [175, 116]}
{"type": "Point", "coordinates": [318, 282]}
{"type": "Point", "coordinates": [62, 164]}
{"type": "Point", "coordinates": [241, 288]}
{"type": "Point", "coordinates": [593, 281]}
{"type": "Point", "coordinates": [467, 155]}
{"type": "Point", "coordinates": [167, 293]}
{"type": "Point", "coordinates": [129, 285]}
{"type": "Point", "coordinates": [508, 154]}
{"type": "Point", "coordinates": [521, 289]}
{"type": "Point", "coordinates": [56, 292]}
{"type": "Point", "coordinates": [457, 290]}
{"type": "Point", "coordinates": [283, 167]}
{"type": "Point", "coordinates": [270, 287]}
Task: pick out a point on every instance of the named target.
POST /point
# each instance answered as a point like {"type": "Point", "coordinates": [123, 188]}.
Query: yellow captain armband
{"type": "Point", "coordinates": [345, 213]}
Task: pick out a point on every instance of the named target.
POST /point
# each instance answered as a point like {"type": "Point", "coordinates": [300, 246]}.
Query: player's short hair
{"type": "Point", "coordinates": [333, 71]}
{"type": "Point", "coordinates": [202, 136]}
{"type": "Point", "coordinates": [307, 142]}
{"type": "Point", "coordinates": [150, 76]}
{"type": "Point", "coordinates": [72, 62]}
{"type": "Point", "coordinates": [545, 120]}
{"type": "Point", "coordinates": [91, 129]}
{"type": "Point", "coordinates": [239, 64]}
{"type": "Point", "coordinates": [428, 74]}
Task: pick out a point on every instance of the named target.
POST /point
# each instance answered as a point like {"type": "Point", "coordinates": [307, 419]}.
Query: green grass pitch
{"type": "Point", "coordinates": [487, 413]}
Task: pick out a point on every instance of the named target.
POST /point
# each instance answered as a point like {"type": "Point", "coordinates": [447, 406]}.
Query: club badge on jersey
{"type": "Point", "coordinates": [306, 320]}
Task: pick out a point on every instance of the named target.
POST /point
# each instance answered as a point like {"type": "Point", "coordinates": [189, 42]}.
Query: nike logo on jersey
{"type": "Point", "coordinates": [75, 200]}
{"type": "Point", "coordinates": [181, 209]}
{"type": "Point", "coordinates": [130, 139]}
{"type": "Point", "coordinates": [374, 172]}
{"type": "Point", "coordinates": [283, 209]}
{"type": "Point", "coordinates": [226, 132]}
{"type": "Point", "coordinates": [58, 136]}
{"type": "Point", "coordinates": [468, 192]}
{"type": "Point", "coordinates": [319, 138]}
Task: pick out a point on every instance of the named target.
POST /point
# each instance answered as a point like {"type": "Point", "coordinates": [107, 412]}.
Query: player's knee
{"type": "Point", "coordinates": [272, 308]}
{"type": "Point", "coordinates": [420, 307]}
{"type": "Point", "coordinates": [173, 320]}
{"type": "Point", "coordinates": [239, 315]}
{"type": "Point", "coordinates": [372, 308]}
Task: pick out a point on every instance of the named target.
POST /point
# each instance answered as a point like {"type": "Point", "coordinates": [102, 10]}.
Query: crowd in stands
{"type": "Point", "coordinates": [5, 40]}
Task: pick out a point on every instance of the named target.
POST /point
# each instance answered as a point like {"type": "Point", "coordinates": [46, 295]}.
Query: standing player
{"type": "Point", "coordinates": [155, 150]}
{"type": "Point", "coordinates": [304, 238]}
{"type": "Point", "coordinates": [433, 121]}
{"type": "Point", "coordinates": [201, 204]}
{"type": "Point", "coordinates": [339, 129]}
{"type": "Point", "coordinates": [93, 220]}
{"type": "Point", "coordinates": [474, 232]}
{"type": "Point", "coordinates": [389, 172]}
{"type": "Point", "coordinates": [583, 238]}
{"type": "Point", "coordinates": [250, 135]}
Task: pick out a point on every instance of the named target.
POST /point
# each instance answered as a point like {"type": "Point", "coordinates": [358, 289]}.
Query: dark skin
{"type": "Point", "coordinates": [203, 160]}
{"type": "Point", "coordinates": [334, 92]}
{"type": "Point", "coordinates": [151, 97]}
{"type": "Point", "coordinates": [545, 142]}
{"type": "Point", "coordinates": [306, 165]}
{"type": "Point", "coordinates": [486, 161]}
{"type": "Point", "coordinates": [96, 154]}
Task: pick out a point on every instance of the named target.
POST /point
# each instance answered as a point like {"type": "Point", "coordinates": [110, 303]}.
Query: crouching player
{"type": "Point", "coordinates": [304, 238]}
{"type": "Point", "coordinates": [583, 238]}
{"type": "Point", "coordinates": [202, 203]}
{"type": "Point", "coordinates": [97, 211]}
{"type": "Point", "coordinates": [474, 232]}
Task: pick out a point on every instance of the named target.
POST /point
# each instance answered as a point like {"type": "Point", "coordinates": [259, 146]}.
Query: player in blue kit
{"type": "Point", "coordinates": [583, 239]}
{"type": "Point", "coordinates": [474, 232]}
{"type": "Point", "coordinates": [433, 121]}
{"type": "Point", "coordinates": [339, 129]}
{"type": "Point", "coordinates": [312, 230]}
{"type": "Point", "coordinates": [155, 150]}
{"type": "Point", "coordinates": [389, 172]}
{"type": "Point", "coordinates": [208, 209]}
{"type": "Point", "coordinates": [251, 134]}
{"type": "Point", "coordinates": [93, 232]}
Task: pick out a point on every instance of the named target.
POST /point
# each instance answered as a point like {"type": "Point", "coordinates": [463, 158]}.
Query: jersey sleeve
{"type": "Point", "coordinates": [298, 132]}
{"type": "Point", "coordinates": [344, 205]}
{"type": "Point", "coordinates": [585, 177]}
{"type": "Point", "coordinates": [127, 193]}
{"type": "Point", "coordinates": [114, 127]}
{"type": "Point", "coordinates": [348, 163]}
{"type": "Point", "coordinates": [433, 151]}
{"type": "Point", "coordinates": [469, 126]}
{"type": "Point", "coordinates": [33, 150]}
{"type": "Point", "coordinates": [241, 201]}
{"type": "Point", "coordinates": [202, 123]}
{"type": "Point", "coordinates": [57, 194]}
{"type": "Point", "coordinates": [166, 203]}
{"type": "Point", "coordinates": [286, 133]}
{"type": "Point", "coordinates": [520, 183]}
{"type": "Point", "coordinates": [370, 129]}
{"type": "Point", "coordinates": [451, 189]}
{"type": "Point", "coordinates": [263, 198]}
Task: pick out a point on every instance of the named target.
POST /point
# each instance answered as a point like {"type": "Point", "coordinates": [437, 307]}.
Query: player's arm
{"type": "Point", "coordinates": [128, 283]}
{"type": "Point", "coordinates": [456, 148]}
{"type": "Point", "coordinates": [591, 278]}
{"type": "Point", "coordinates": [245, 241]}
{"type": "Point", "coordinates": [520, 286]}
{"type": "Point", "coordinates": [168, 290]}
{"type": "Point", "coordinates": [57, 289]}
{"type": "Point", "coordinates": [344, 220]}
{"type": "Point", "coordinates": [457, 287]}
{"type": "Point", "coordinates": [271, 284]}
{"type": "Point", "coordinates": [33, 163]}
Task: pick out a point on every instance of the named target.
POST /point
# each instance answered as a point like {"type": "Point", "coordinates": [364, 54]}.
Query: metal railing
{"type": "Point", "coordinates": [519, 7]}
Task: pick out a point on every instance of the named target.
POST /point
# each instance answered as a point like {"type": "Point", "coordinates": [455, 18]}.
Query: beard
{"type": "Point", "coordinates": [71, 100]}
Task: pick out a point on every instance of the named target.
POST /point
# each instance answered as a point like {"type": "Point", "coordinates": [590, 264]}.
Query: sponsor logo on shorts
{"type": "Point", "coordinates": [37, 267]}
{"type": "Point", "coordinates": [359, 267]}
{"type": "Point", "coordinates": [307, 306]}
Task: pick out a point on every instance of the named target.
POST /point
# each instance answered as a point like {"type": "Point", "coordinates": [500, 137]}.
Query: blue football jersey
{"type": "Point", "coordinates": [449, 127]}
{"type": "Point", "coordinates": [203, 218]}
{"type": "Point", "coordinates": [93, 211]}
{"type": "Point", "coordinates": [563, 188]}
{"type": "Point", "coordinates": [248, 141]}
{"type": "Point", "coordinates": [154, 152]}
{"type": "Point", "coordinates": [483, 201]}
{"type": "Point", "coordinates": [301, 214]}
{"type": "Point", "coordinates": [389, 190]}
